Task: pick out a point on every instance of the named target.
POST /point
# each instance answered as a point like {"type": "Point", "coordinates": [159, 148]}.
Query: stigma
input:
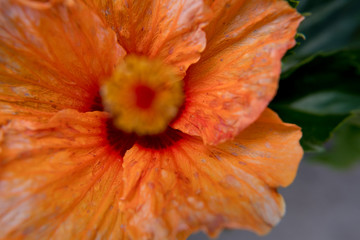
{"type": "Point", "coordinates": [143, 95]}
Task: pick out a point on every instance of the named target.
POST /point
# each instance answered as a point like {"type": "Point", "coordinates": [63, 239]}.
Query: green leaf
{"type": "Point", "coordinates": [319, 93]}
{"type": "Point", "coordinates": [329, 25]}
{"type": "Point", "coordinates": [293, 3]}
{"type": "Point", "coordinates": [343, 150]}
{"type": "Point", "coordinates": [332, 25]}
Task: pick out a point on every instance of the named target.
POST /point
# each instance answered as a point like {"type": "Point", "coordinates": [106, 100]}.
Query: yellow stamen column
{"type": "Point", "coordinates": [143, 95]}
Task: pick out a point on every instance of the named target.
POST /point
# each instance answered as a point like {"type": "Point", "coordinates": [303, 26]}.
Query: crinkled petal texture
{"type": "Point", "coordinates": [60, 180]}
{"type": "Point", "coordinates": [191, 186]}
{"type": "Point", "coordinates": [52, 57]}
{"type": "Point", "coordinates": [238, 72]}
{"type": "Point", "coordinates": [170, 30]}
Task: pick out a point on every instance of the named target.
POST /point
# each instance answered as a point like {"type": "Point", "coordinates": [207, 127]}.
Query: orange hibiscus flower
{"type": "Point", "coordinates": [142, 119]}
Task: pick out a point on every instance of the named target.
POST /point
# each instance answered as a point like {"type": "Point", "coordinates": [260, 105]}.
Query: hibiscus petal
{"type": "Point", "coordinates": [189, 186]}
{"type": "Point", "coordinates": [167, 29]}
{"type": "Point", "coordinates": [238, 72]}
{"type": "Point", "coordinates": [52, 56]}
{"type": "Point", "coordinates": [59, 179]}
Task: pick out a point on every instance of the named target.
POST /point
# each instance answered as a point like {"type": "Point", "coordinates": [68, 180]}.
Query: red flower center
{"type": "Point", "coordinates": [144, 96]}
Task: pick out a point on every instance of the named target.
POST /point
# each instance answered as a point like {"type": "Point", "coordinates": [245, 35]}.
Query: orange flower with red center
{"type": "Point", "coordinates": [142, 119]}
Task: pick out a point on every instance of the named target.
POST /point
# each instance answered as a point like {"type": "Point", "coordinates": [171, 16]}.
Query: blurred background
{"type": "Point", "coordinates": [320, 91]}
